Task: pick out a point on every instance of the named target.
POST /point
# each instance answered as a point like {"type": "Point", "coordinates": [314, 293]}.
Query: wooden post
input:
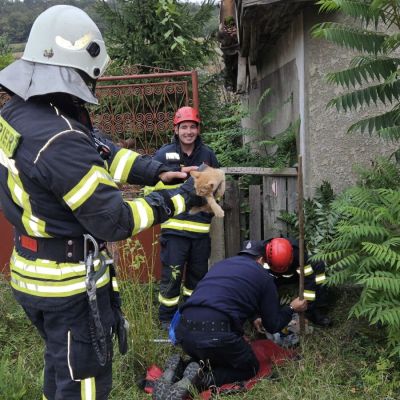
{"type": "Point", "coordinates": [255, 212]}
{"type": "Point", "coordinates": [301, 239]}
{"type": "Point", "coordinates": [232, 222]}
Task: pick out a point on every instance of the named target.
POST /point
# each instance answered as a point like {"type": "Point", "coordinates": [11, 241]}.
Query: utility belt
{"type": "Point", "coordinates": [68, 250]}
{"type": "Point", "coordinates": [205, 326]}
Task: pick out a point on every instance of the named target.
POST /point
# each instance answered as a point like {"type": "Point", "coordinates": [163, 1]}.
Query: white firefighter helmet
{"type": "Point", "coordinates": [66, 36]}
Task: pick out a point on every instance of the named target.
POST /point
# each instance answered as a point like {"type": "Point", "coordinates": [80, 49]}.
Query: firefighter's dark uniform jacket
{"type": "Point", "coordinates": [184, 238]}
{"type": "Point", "coordinates": [185, 224]}
{"type": "Point", "coordinates": [54, 184]}
{"type": "Point", "coordinates": [58, 181]}
{"type": "Point", "coordinates": [314, 277]}
{"type": "Point", "coordinates": [211, 326]}
{"type": "Point", "coordinates": [241, 289]}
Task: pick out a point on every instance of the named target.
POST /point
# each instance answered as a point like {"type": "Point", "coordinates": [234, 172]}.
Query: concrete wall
{"type": "Point", "coordinates": [298, 64]}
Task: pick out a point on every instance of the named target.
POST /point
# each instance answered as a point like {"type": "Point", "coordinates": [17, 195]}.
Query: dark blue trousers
{"type": "Point", "coordinates": [229, 356]}
{"type": "Point", "coordinates": [72, 371]}
{"type": "Point", "coordinates": [176, 253]}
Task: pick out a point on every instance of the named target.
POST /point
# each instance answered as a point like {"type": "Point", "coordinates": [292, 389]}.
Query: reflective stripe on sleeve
{"type": "Point", "coordinates": [308, 270]}
{"type": "Point", "coordinates": [143, 215]}
{"type": "Point", "coordinates": [186, 291]}
{"type": "Point", "coordinates": [320, 278]}
{"type": "Point", "coordinates": [122, 164]}
{"type": "Point", "coordinates": [33, 225]}
{"type": "Point", "coordinates": [168, 302]}
{"type": "Point", "coordinates": [87, 185]}
{"type": "Point", "coordinates": [179, 204]}
{"type": "Point", "coordinates": [309, 295]}
{"type": "Point", "coordinates": [159, 186]}
{"type": "Point", "coordinates": [190, 226]}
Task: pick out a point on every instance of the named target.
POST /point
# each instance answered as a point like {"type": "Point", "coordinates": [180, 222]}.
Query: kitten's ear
{"type": "Point", "coordinates": [195, 174]}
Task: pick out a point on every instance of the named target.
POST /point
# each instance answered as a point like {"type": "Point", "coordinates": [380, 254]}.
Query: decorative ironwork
{"type": "Point", "coordinates": [137, 110]}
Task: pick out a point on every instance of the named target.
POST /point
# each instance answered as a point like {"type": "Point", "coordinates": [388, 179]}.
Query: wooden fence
{"type": "Point", "coordinates": [253, 212]}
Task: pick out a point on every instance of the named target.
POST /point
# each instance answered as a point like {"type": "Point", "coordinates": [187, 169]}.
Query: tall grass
{"type": "Point", "coordinates": [346, 362]}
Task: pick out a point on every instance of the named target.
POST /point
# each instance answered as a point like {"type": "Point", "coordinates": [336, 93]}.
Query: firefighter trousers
{"type": "Point", "coordinates": [72, 370]}
{"type": "Point", "coordinates": [226, 355]}
{"type": "Point", "coordinates": [176, 252]}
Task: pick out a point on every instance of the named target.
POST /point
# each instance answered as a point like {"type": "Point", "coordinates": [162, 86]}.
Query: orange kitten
{"type": "Point", "coordinates": [209, 183]}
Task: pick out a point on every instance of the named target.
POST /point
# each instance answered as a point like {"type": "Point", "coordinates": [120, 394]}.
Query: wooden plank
{"type": "Point", "coordinates": [217, 236]}
{"type": "Point", "coordinates": [292, 194]}
{"type": "Point", "coordinates": [274, 201]}
{"type": "Point", "coordinates": [241, 85]}
{"type": "Point", "coordinates": [232, 223]}
{"type": "Point", "coordinates": [255, 212]}
{"type": "Point", "coordinates": [260, 171]}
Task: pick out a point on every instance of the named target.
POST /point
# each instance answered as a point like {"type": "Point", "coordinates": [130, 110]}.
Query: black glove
{"type": "Point", "coordinates": [121, 331]}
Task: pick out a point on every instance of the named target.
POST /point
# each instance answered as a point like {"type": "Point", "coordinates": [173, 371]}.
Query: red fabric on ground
{"type": "Point", "coordinates": [268, 354]}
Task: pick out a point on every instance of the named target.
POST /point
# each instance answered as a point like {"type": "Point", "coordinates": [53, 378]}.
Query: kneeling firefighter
{"type": "Point", "coordinates": [58, 189]}
{"type": "Point", "coordinates": [282, 257]}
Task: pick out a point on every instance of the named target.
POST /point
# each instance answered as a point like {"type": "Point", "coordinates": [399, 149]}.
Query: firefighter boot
{"type": "Point", "coordinates": [173, 371]}
{"type": "Point", "coordinates": [318, 317]}
{"type": "Point", "coordinates": [182, 388]}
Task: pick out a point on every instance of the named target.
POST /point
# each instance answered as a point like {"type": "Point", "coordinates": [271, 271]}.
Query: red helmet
{"type": "Point", "coordinates": [186, 114]}
{"type": "Point", "coordinates": [279, 254]}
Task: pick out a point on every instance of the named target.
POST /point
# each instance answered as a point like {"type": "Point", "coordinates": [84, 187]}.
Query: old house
{"type": "Point", "coordinates": [268, 44]}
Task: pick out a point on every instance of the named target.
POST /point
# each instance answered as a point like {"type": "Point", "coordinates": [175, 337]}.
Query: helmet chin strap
{"type": "Point", "coordinates": [90, 82]}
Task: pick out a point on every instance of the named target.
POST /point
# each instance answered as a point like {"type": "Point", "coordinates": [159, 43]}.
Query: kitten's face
{"type": "Point", "coordinates": [207, 181]}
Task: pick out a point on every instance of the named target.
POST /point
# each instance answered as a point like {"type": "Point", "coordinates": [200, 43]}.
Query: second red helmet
{"type": "Point", "coordinates": [186, 114]}
{"type": "Point", "coordinates": [279, 254]}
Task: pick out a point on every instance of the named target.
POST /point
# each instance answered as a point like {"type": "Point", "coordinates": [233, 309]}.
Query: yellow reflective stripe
{"type": "Point", "coordinates": [168, 302]}
{"type": "Point", "coordinates": [186, 226]}
{"type": "Point", "coordinates": [320, 278]}
{"type": "Point", "coordinates": [122, 164]}
{"type": "Point", "coordinates": [32, 224]}
{"type": "Point", "coordinates": [159, 186]}
{"type": "Point", "coordinates": [143, 215]}
{"type": "Point", "coordinates": [186, 291]}
{"type": "Point", "coordinates": [308, 270]}
{"type": "Point", "coordinates": [179, 204]}
{"type": "Point", "coordinates": [54, 289]}
{"type": "Point", "coordinates": [115, 284]}
{"type": "Point", "coordinates": [87, 185]}
{"type": "Point", "coordinates": [309, 295]}
{"type": "Point", "coordinates": [49, 279]}
{"type": "Point", "coordinates": [88, 389]}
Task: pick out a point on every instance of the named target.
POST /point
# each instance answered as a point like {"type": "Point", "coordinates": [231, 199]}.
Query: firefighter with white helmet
{"type": "Point", "coordinates": [58, 187]}
{"type": "Point", "coordinates": [185, 239]}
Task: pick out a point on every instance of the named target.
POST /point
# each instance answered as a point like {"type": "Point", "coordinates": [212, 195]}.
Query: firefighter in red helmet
{"type": "Point", "coordinates": [185, 240]}
{"type": "Point", "coordinates": [282, 256]}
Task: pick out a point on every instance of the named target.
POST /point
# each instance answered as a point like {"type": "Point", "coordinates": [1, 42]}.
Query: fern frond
{"type": "Point", "coordinates": [353, 8]}
{"type": "Point", "coordinates": [350, 37]}
{"type": "Point", "coordinates": [383, 92]}
{"type": "Point", "coordinates": [361, 231]}
{"type": "Point", "coordinates": [381, 281]}
{"type": "Point", "coordinates": [381, 122]}
{"type": "Point", "coordinates": [364, 70]}
{"type": "Point", "coordinates": [392, 43]}
{"type": "Point", "coordinates": [384, 253]}
{"type": "Point", "coordinates": [339, 278]}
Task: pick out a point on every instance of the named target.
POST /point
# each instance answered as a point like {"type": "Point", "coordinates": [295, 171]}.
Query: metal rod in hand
{"type": "Point", "coordinates": [300, 195]}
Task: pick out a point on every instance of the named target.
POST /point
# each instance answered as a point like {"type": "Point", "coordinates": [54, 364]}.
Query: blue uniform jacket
{"type": "Point", "coordinates": [241, 288]}
{"type": "Point", "coordinates": [172, 156]}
